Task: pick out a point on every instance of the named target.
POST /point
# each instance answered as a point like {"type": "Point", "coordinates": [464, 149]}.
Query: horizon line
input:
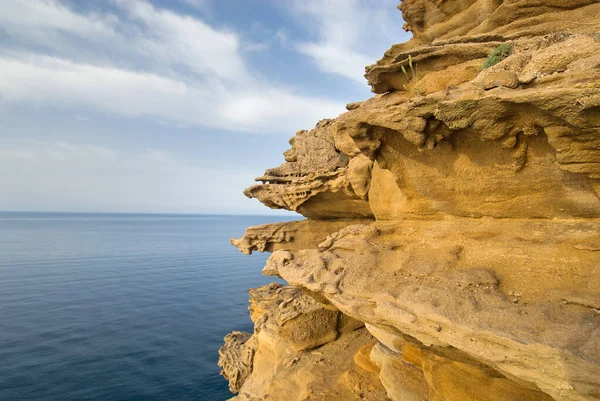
{"type": "Point", "coordinates": [146, 213]}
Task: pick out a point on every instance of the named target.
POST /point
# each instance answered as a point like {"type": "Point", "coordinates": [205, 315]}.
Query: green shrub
{"type": "Point", "coordinates": [497, 55]}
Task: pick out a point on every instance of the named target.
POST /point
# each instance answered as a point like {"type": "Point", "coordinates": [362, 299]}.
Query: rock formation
{"type": "Point", "coordinates": [452, 246]}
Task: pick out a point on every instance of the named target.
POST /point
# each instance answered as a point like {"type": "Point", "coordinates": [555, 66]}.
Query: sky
{"type": "Point", "coordinates": [171, 106]}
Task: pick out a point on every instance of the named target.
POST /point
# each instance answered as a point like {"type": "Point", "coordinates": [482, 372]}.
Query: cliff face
{"type": "Point", "coordinates": [452, 247]}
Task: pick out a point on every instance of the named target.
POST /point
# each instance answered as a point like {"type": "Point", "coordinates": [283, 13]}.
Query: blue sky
{"type": "Point", "coordinates": [171, 106]}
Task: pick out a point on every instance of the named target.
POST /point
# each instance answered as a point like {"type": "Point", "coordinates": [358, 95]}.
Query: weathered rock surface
{"type": "Point", "coordinates": [456, 213]}
{"type": "Point", "coordinates": [491, 291]}
{"type": "Point", "coordinates": [298, 349]}
{"type": "Point", "coordinates": [293, 235]}
{"type": "Point", "coordinates": [318, 179]}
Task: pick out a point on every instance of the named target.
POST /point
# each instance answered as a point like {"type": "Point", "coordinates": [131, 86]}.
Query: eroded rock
{"type": "Point", "coordinates": [236, 357]}
{"type": "Point", "coordinates": [314, 179]}
{"type": "Point", "coordinates": [298, 346]}
{"type": "Point", "coordinates": [456, 213]}
{"type": "Point", "coordinates": [471, 286]}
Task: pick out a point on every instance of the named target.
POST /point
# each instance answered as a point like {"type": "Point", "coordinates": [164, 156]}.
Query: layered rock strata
{"type": "Point", "coordinates": [456, 214]}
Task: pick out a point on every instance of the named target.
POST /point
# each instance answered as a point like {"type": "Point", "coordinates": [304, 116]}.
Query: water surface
{"type": "Point", "coordinates": [120, 307]}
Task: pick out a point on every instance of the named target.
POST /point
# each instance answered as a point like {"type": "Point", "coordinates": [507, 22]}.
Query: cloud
{"type": "Point", "coordinates": [85, 177]}
{"type": "Point", "coordinates": [140, 29]}
{"type": "Point", "coordinates": [335, 60]}
{"type": "Point", "coordinates": [23, 17]}
{"type": "Point", "coordinates": [265, 37]}
{"type": "Point", "coordinates": [199, 4]}
{"type": "Point", "coordinates": [134, 59]}
{"type": "Point", "coordinates": [350, 34]}
{"type": "Point", "coordinates": [43, 80]}
{"type": "Point", "coordinates": [184, 40]}
{"type": "Point", "coordinates": [283, 37]}
{"type": "Point", "coordinates": [204, 80]}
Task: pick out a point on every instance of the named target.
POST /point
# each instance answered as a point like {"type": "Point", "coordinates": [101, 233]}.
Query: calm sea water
{"type": "Point", "coordinates": [120, 307]}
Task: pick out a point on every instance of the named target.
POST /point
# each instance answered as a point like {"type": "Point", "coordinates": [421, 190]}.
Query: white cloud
{"type": "Point", "coordinates": [136, 60]}
{"type": "Point", "coordinates": [335, 60]}
{"type": "Point", "coordinates": [277, 110]}
{"type": "Point", "coordinates": [186, 41]}
{"type": "Point", "coordinates": [84, 177]}
{"type": "Point", "coordinates": [23, 16]}
{"type": "Point", "coordinates": [204, 80]}
{"type": "Point", "coordinates": [45, 80]}
{"type": "Point", "coordinates": [350, 34]}
{"type": "Point", "coordinates": [141, 29]}
{"type": "Point", "coordinates": [132, 59]}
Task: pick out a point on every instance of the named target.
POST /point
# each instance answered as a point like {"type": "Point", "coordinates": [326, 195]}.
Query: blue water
{"type": "Point", "coordinates": [120, 307]}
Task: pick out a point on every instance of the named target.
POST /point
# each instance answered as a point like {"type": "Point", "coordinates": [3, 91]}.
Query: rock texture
{"type": "Point", "coordinates": [456, 214]}
{"type": "Point", "coordinates": [299, 350]}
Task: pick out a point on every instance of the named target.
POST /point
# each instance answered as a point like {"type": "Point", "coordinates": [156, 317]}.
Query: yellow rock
{"type": "Point", "coordinates": [459, 220]}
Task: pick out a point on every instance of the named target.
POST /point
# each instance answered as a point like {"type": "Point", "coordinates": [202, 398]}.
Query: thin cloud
{"type": "Point", "coordinates": [24, 16]}
{"type": "Point", "coordinates": [205, 81]}
{"type": "Point", "coordinates": [349, 34]}
{"type": "Point", "coordinates": [202, 5]}
{"type": "Point", "coordinates": [43, 80]}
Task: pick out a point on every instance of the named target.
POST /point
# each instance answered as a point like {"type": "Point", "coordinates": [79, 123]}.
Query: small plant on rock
{"type": "Point", "coordinates": [411, 85]}
{"type": "Point", "coordinates": [497, 55]}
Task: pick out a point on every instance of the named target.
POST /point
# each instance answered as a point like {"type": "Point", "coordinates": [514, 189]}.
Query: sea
{"type": "Point", "coordinates": [121, 307]}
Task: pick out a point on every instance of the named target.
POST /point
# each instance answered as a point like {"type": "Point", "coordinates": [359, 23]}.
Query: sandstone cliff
{"type": "Point", "coordinates": [452, 246]}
